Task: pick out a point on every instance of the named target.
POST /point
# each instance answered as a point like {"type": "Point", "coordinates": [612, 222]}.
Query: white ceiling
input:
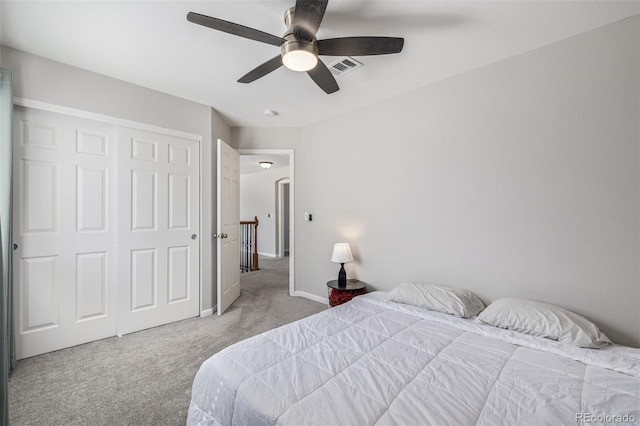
{"type": "Point", "coordinates": [150, 43]}
{"type": "Point", "coordinates": [249, 163]}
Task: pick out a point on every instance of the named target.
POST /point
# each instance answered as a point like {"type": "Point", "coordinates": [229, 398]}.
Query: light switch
{"type": "Point", "coordinates": [308, 217]}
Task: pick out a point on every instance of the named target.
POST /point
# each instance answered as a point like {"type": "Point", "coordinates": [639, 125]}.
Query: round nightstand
{"type": "Point", "coordinates": [342, 294]}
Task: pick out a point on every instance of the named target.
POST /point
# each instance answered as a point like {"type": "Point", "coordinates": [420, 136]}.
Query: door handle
{"type": "Point", "coordinates": [15, 246]}
{"type": "Point", "coordinates": [194, 236]}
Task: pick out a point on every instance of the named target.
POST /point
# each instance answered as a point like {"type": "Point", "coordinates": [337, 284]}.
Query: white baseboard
{"type": "Point", "coordinates": [311, 297]}
{"type": "Point", "coordinates": [267, 254]}
{"type": "Point", "coordinates": [208, 312]}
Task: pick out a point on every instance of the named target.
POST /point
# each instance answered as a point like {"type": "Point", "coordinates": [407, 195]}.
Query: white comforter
{"type": "Point", "coordinates": [375, 362]}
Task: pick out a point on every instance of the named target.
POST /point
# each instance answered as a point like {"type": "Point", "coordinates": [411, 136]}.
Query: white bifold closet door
{"type": "Point", "coordinates": [103, 219]}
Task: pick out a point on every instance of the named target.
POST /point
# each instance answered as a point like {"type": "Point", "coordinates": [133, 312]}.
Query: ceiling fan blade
{"type": "Point", "coordinates": [323, 78]}
{"type": "Point", "coordinates": [233, 28]}
{"type": "Point", "coordinates": [262, 70]}
{"type": "Point", "coordinates": [307, 18]}
{"type": "Point", "coordinates": [360, 46]}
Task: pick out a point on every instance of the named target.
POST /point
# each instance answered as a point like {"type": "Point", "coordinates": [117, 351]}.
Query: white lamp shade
{"type": "Point", "coordinates": [341, 253]}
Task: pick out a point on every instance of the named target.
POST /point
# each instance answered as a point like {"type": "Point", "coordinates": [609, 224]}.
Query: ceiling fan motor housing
{"type": "Point", "coordinates": [288, 19]}
{"type": "Point", "coordinates": [296, 46]}
{"type": "Point", "coordinates": [291, 44]}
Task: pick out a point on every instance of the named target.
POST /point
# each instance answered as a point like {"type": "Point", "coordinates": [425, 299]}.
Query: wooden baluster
{"type": "Point", "coordinates": [250, 247]}
{"type": "Point", "coordinates": [246, 248]}
{"type": "Point", "coordinates": [255, 244]}
{"type": "Point", "coordinates": [242, 265]}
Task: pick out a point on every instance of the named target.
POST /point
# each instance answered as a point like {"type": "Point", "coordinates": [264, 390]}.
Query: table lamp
{"type": "Point", "coordinates": [342, 254]}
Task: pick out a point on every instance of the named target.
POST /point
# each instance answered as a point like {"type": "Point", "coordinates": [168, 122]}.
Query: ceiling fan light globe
{"type": "Point", "coordinates": [299, 60]}
{"type": "Point", "coordinates": [299, 55]}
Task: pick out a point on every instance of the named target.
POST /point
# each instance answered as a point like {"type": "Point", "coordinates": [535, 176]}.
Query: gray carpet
{"type": "Point", "coordinates": [145, 378]}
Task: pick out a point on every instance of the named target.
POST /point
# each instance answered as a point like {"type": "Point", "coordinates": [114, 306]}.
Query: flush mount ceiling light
{"type": "Point", "coordinates": [270, 112]}
{"type": "Point", "coordinates": [265, 164]}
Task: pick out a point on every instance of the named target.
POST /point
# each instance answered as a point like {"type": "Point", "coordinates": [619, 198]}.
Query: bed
{"type": "Point", "coordinates": [373, 361]}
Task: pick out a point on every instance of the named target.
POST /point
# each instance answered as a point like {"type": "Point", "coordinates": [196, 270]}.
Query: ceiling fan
{"type": "Point", "coordinates": [299, 48]}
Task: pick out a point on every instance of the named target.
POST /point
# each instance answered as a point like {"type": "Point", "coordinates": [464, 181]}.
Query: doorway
{"type": "Point", "coordinates": [270, 193]}
{"type": "Point", "coordinates": [282, 217]}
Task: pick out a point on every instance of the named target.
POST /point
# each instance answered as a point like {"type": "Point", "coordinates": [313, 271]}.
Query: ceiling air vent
{"type": "Point", "coordinates": [344, 65]}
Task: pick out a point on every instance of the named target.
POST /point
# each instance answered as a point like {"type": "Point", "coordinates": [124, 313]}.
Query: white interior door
{"type": "Point", "coordinates": [64, 223]}
{"type": "Point", "coordinates": [228, 226]}
{"type": "Point", "coordinates": [159, 229]}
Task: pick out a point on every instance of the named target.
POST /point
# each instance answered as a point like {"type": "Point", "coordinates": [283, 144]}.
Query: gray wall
{"type": "Point", "coordinates": [518, 179]}
{"type": "Point", "coordinates": [40, 79]}
{"type": "Point", "coordinates": [265, 137]}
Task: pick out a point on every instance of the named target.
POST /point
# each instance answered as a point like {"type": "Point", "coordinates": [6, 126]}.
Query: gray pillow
{"type": "Point", "coordinates": [454, 301]}
{"type": "Point", "coordinates": [543, 320]}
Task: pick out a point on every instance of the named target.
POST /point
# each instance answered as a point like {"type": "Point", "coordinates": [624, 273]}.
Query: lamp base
{"type": "Point", "coordinates": [342, 276]}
